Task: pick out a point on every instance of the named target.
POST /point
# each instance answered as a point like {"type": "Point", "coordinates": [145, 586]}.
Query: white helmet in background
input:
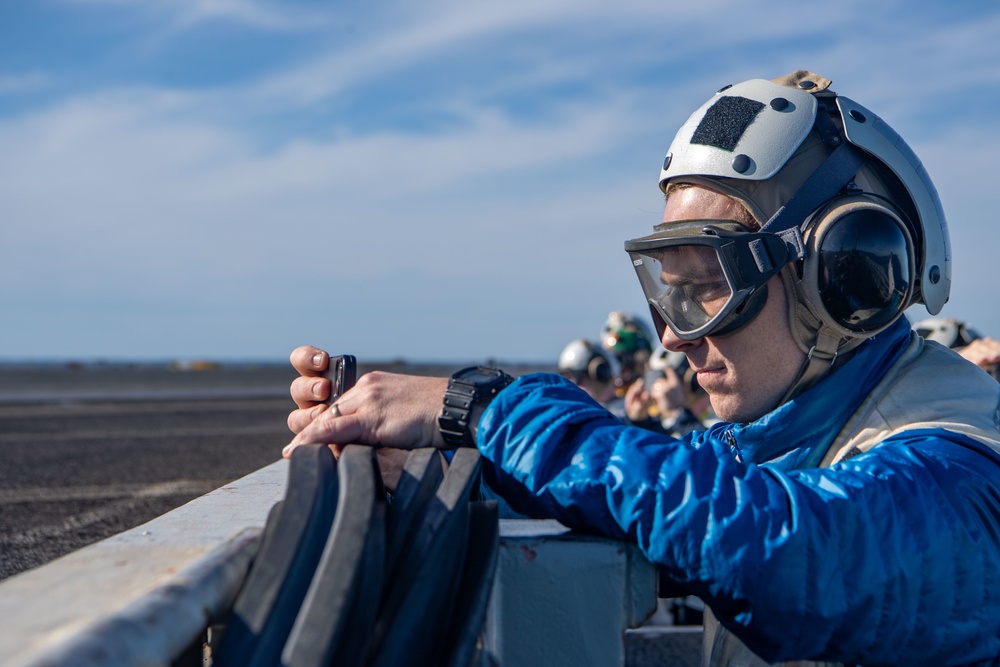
{"type": "Point", "coordinates": [947, 331]}
{"type": "Point", "coordinates": [583, 358]}
{"type": "Point", "coordinates": [663, 358]}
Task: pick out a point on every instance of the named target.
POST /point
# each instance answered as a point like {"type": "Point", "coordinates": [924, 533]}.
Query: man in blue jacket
{"type": "Point", "coordinates": [848, 508]}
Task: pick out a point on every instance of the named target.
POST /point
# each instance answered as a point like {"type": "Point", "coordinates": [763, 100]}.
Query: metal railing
{"type": "Point", "coordinates": [306, 563]}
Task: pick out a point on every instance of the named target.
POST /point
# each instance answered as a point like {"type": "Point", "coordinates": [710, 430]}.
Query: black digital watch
{"type": "Point", "coordinates": [476, 385]}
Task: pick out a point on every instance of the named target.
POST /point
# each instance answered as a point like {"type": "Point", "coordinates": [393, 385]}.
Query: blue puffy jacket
{"type": "Point", "coordinates": [889, 557]}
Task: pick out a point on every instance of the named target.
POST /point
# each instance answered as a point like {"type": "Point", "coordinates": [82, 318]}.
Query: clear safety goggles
{"type": "Point", "coordinates": [700, 276]}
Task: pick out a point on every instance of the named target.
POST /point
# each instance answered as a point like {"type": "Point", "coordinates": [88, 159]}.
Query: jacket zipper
{"type": "Point", "coordinates": [731, 441]}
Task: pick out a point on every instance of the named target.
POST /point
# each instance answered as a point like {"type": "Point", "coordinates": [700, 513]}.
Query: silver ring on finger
{"type": "Point", "coordinates": [335, 409]}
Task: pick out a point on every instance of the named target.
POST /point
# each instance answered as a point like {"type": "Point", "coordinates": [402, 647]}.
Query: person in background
{"type": "Point", "coordinates": [589, 367]}
{"type": "Point", "coordinates": [981, 350]}
{"type": "Point", "coordinates": [668, 397]}
{"type": "Point", "coordinates": [626, 338]}
{"type": "Point", "coordinates": [847, 509]}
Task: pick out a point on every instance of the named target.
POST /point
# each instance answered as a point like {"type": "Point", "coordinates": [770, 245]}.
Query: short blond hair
{"type": "Point", "coordinates": [741, 213]}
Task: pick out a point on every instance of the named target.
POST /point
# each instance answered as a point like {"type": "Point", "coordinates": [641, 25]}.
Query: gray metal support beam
{"type": "Point", "coordinates": [561, 598]}
{"type": "Point", "coordinates": [142, 596]}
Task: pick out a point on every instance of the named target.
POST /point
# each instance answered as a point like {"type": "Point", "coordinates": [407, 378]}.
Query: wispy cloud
{"type": "Point", "coordinates": [507, 148]}
{"type": "Point", "coordinates": [19, 83]}
{"type": "Point", "coordinates": [290, 16]}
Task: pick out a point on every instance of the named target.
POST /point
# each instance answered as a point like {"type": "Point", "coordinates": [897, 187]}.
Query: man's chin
{"type": "Point", "coordinates": [731, 409]}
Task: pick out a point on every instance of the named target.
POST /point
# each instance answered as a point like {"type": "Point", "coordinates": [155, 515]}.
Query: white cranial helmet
{"type": "Point", "coordinates": [847, 215]}
{"type": "Point", "coordinates": [584, 358]}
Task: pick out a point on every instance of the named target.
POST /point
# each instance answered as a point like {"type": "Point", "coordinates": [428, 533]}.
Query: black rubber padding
{"type": "Point", "coordinates": [291, 546]}
{"type": "Point", "coordinates": [475, 587]}
{"type": "Point", "coordinates": [412, 624]}
{"type": "Point", "coordinates": [418, 483]}
{"type": "Point", "coordinates": [338, 614]}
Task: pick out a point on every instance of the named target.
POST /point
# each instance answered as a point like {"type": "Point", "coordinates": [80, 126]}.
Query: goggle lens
{"type": "Point", "coordinates": [686, 284]}
{"type": "Point", "coordinates": [699, 275]}
{"type": "Point", "coordinates": [694, 287]}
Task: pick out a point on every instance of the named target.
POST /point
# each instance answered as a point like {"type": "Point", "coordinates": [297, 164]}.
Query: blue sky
{"type": "Point", "coordinates": [228, 179]}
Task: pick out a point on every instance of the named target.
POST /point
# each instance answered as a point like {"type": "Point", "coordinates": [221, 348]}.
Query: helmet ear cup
{"type": "Point", "coordinates": [599, 370]}
{"type": "Point", "coordinates": [858, 274]}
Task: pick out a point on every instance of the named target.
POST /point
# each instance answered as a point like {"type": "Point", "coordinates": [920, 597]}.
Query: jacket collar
{"type": "Point", "coordinates": [797, 434]}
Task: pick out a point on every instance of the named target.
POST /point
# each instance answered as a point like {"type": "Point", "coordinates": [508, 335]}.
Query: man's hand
{"type": "Point", "coordinates": [983, 352]}
{"type": "Point", "coordinates": [383, 409]}
{"type": "Point", "coordinates": [668, 392]}
{"type": "Point", "coordinates": [638, 401]}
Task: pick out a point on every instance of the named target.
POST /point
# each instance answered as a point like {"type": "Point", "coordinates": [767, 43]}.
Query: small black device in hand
{"type": "Point", "coordinates": [342, 374]}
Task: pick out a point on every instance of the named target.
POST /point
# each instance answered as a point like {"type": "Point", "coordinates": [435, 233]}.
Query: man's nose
{"type": "Point", "coordinates": [674, 343]}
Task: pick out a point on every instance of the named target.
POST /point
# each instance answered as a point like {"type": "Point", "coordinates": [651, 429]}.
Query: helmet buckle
{"type": "Point", "coordinates": [822, 355]}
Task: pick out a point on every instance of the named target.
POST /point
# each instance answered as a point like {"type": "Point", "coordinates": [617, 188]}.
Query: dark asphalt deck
{"type": "Point", "coordinates": [88, 452]}
{"type": "Point", "coordinates": [76, 473]}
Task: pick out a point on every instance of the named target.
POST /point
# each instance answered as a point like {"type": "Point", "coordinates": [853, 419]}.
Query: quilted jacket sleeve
{"type": "Point", "coordinates": [889, 558]}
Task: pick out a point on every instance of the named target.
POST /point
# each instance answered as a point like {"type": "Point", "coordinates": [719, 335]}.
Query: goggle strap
{"type": "Point", "coordinates": [829, 178]}
{"type": "Point", "coordinates": [793, 241]}
{"type": "Point", "coordinates": [769, 253]}
{"type": "Point", "coordinates": [760, 256]}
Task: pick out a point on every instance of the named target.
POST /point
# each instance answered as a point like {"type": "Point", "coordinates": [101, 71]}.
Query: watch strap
{"type": "Point", "coordinates": [461, 397]}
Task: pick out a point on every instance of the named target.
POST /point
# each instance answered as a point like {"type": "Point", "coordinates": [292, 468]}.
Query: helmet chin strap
{"type": "Point", "coordinates": [823, 344]}
{"type": "Point", "coordinates": [819, 362]}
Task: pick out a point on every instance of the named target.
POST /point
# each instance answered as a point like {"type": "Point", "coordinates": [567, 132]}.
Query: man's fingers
{"type": "Point", "coordinates": [309, 360]}
{"type": "Point", "coordinates": [328, 429]}
{"type": "Point", "coordinates": [308, 391]}
{"type": "Point", "coordinates": [982, 351]}
{"type": "Point", "coordinates": [383, 409]}
{"type": "Point", "coordinates": [299, 419]}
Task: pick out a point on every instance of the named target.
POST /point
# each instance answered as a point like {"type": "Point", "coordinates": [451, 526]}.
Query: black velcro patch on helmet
{"type": "Point", "coordinates": [725, 122]}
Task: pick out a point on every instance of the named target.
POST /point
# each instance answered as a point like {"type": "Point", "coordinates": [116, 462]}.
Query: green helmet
{"type": "Point", "coordinates": [629, 340]}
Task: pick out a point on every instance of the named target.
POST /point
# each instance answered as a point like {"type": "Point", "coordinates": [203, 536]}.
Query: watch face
{"type": "Point", "coordinates": [477, 376]}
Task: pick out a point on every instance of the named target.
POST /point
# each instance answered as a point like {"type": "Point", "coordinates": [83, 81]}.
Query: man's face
{"type": "Point", "coordinates": [747, 372]}
{"type": "Point", "coordinates": [695, 272]}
